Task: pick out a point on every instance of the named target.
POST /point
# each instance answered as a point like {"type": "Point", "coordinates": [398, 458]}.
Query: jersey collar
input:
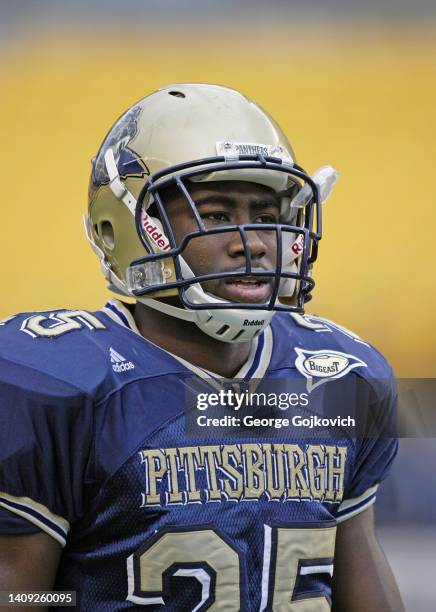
{"type": "Point", "coordinates": [254, 368]}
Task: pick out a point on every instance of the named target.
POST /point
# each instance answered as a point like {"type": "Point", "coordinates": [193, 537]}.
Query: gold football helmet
{"type": "Point", "coordinates": [184, 134]}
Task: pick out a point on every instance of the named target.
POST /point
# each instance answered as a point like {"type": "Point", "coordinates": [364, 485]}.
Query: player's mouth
{"type": "Point", "coordinates": [255, 289]}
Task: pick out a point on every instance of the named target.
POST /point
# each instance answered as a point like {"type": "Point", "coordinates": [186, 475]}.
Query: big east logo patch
{"type": "Point", "coordinates": [322, 365]}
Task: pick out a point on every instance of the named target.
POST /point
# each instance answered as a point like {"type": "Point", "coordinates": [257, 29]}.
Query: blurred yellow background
{"type": "Point", "coordinates": [362, 100]}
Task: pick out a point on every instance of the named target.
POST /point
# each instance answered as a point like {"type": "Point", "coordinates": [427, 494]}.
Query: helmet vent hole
{"type": "Point", "coordinates": [96, 228]}
{"type": "Point", "coordinates": [240, 332]}
{"type": "Point", "coordinates": [177, 94]}
{"type": "Point", "coordinates": [107, 233]}
{"type": "Point", "coordinates": [222, 330]}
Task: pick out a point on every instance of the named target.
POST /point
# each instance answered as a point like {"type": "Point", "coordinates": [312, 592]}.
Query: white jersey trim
{"type": "Point", "coordinates": [125, 311]}
{"type": "Point", "coordinates": [351, 507]}
{"type": "Point", "coordinates": [214, 379]}
{"type": "Point", "coordinates": [38, 514]}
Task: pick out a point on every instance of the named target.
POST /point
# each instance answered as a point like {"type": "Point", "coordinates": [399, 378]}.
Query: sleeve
{"type": "Point", "coordinates": [375, 449]}
{"type": "Point", "coordinates": [46, 433]}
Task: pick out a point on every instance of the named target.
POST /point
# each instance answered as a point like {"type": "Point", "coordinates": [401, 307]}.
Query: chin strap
{"type": "Point", "coordinates": [172, 311]}
{"type": "Point", "coordinates": [116, 185]}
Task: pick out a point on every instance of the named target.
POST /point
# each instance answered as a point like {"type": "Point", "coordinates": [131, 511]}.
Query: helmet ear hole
{"type": "Point", "coordinates": [107, 234]}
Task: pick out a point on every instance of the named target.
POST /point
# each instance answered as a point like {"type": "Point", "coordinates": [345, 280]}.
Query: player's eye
{"type": "Point", "coordinates": [267, 218]}
{"type": "Point", "coordinates": [215, 217]}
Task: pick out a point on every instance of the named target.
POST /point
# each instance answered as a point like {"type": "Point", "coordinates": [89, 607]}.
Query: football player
{"type": "Point", "coordinates": [115, 480]}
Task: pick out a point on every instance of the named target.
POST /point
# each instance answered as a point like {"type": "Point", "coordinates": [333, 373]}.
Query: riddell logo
{"type": "Point", "coordinates": [298, 245]}
{"type": "Point", "coordinates": [119, 363]}
{"type": "Point", "coordinates": [247, 322]}
{"type": "Point", "coordinates": [156, 236]}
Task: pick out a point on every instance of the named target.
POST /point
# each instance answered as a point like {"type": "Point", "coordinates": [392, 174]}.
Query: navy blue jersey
{"type": "Point", "coordinates": [95, 451]}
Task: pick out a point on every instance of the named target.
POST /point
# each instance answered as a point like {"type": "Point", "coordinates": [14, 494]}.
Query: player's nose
{"type": "Point", "coordinates": [253, 242]}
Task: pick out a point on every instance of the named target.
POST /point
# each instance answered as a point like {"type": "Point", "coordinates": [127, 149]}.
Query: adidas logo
{"type": "Point", "coordinates": [119, 363]}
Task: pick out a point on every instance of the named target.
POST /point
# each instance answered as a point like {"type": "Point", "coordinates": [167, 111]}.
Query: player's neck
{"type": "Point", "coordinates": [187, 341]}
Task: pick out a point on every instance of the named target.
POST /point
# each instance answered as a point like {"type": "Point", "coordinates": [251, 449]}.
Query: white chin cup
{"type": "Point", "coordinates": [233, 325]}
{"type": "Point", "coordinates": [227, 324]}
